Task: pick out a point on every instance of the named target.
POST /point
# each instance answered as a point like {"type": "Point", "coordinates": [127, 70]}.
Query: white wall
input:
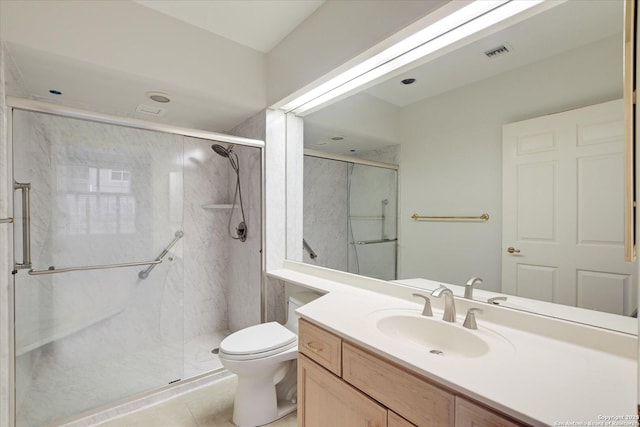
{"type": "Point", "coordinates": [115, 51]}
{"type": "Point", "coordinates": [451, 161]}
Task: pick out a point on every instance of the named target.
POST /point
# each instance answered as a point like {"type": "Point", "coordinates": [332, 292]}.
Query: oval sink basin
{"type": "Point", "coordinates": [438, 337]}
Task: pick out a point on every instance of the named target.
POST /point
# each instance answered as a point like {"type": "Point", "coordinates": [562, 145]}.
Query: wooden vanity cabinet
{"type": "Point", "coordinates": [470, 415]}
{"type": "Point", "coordinates": [342, 385]}
{"type": "Point", "coordinates": [325, 400]}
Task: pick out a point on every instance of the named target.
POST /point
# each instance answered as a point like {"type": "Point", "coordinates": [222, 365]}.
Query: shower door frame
{"type": "Point", "coordinates": [7, 183]}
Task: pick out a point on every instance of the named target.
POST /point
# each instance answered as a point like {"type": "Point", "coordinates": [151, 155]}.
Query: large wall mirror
{"type": "Point", "coordinates": [350, 213]}
{"type": "Point", "coordinates": [525, 125]}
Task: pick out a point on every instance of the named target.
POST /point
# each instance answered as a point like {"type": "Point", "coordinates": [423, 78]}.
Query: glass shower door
{"type": "Point", "coordinates": [100, 195]}
{"type": "Point", "coordinates": [373, 221]}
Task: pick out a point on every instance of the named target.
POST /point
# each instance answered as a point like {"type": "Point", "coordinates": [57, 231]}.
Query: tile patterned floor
{"type": "Point", "coordinates": [209, 406]}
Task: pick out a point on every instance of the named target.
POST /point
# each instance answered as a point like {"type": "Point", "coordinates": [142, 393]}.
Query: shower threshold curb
{"type": "Point", "coordinates": [118, 409]}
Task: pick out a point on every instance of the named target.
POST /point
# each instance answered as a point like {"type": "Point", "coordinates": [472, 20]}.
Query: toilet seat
{"type": "Point", "coordinates": [257, 342]}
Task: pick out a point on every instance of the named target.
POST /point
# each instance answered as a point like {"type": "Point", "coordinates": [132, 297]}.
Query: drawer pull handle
{"type": "Point", "coordinates": [313, 347]}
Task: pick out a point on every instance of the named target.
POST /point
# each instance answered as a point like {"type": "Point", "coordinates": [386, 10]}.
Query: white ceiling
{"type": "Point", "coordinates": [208, 56]}
{"type": "Point", "coordinates": [564, 27]}
{"type": "Point", "coordinates": [260, 25]}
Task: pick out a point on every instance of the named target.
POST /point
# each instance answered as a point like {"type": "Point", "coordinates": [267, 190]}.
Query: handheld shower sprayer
{"type": "Point", "coordinates": [241, 229]}
{"type": "Point", "coordinates": [221, 151]}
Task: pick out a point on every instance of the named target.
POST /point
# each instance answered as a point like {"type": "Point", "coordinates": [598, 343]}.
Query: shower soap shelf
{"type": "Point", "coordinates": [217, 206]}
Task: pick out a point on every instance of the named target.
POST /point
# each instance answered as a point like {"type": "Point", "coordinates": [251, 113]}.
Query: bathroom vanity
{"type": "Point", "coordinates": [369, 357]}
{"type": "Point", "coordinates": [342, 384]}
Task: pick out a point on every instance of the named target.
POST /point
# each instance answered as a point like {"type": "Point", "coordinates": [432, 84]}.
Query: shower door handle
{"type": "Point", "coordinates": [26, 224]}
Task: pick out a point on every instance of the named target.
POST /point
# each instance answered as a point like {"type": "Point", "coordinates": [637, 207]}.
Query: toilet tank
{"type": "Point", "coordinates": [296, 301]}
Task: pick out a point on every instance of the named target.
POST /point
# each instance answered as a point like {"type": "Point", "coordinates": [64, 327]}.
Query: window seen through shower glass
{"type": "Point", "coordinates": [98, 200]}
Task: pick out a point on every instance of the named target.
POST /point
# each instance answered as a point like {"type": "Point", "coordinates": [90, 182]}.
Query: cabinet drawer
{"type": "Point", "coordinates": [469, 415]}
{"type": "Point", "coordinates": [412, 397]}
{"type": "Point", "coordinates": [320, 346]}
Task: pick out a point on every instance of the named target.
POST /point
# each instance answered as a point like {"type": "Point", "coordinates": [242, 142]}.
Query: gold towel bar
{"type": "Point", "coordinates": [483, 217]}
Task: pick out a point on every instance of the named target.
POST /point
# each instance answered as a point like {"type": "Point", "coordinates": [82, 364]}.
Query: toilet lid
{"type": "Point", "coordinates": [258, 339]}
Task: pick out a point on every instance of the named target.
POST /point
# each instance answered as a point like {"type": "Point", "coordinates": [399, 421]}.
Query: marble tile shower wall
{"type": "Point", "coordinates": [89, 338]}
{"type": "Point", "coordinates": [246, 258]}
{"type": "Point", "coordinates": [325, 222]}
{"type": "Point", "coordinates": [245, 264]}
{"type": "Point", "coordinates": [206, 254]}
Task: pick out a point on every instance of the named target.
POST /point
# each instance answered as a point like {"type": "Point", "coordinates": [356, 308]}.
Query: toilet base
{"type": "Point", "coordinates": [255, 404]}
{"type": "Point", "coordinates": [265, 397]}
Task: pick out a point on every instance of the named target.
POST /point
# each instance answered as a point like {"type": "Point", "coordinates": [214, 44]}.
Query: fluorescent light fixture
{"type": "Point", "coordinates": [464, 22]}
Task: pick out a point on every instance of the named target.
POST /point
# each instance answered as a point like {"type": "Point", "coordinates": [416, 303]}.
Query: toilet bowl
{"type": "Point", "coordinates": [264, 359]}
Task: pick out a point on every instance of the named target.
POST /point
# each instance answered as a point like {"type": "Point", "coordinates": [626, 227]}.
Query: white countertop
{"type": "Point", "coordinates": [542, 379]}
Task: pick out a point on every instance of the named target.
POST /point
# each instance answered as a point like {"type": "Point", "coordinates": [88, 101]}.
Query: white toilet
{"type": "Point", "coordinates": [264, 359]}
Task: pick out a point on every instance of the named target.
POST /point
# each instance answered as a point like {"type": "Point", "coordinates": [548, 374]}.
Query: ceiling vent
{"type": "Point", "coordinates": [148, 109]}
{"type": "Point", "coordinates": [498, 51]}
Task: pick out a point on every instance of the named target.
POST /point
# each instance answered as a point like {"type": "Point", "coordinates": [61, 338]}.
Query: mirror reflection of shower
{"type": "Point", "coordinates": [241, 229]}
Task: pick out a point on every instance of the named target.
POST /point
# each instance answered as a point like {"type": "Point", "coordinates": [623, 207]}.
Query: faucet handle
{"type": "Point", "coordinates": [470, 319]}
{"type": "Point", "coordinates": [426, 311]}
{"type": "Point", "coordinates": [468, 289]}
{"type": "Point", "coordinates": [496, 300]}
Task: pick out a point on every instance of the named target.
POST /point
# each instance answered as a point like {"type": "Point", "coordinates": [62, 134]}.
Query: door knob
{"type": "Point", "coordinates": [513, 250]}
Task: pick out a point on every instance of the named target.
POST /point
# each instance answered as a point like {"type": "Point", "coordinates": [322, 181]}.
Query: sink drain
{"type": "Point", "coordinates": [436, 352]}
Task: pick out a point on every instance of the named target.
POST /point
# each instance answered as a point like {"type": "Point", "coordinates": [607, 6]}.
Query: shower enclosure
{"type": "Point", "coordinates": [126, 278]}
{"type": "Point", "coordinates": [350, 216]}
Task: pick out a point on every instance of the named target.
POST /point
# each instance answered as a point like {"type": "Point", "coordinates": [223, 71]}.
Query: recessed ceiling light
{"type": "Point", "coordinates": [158, 97]}
{"type": "Point", "coordinates": [408, 81]}
{"type": "Point", "coordinates": [337, 138]}
{"type": "Point", "coordinates": [55, 92]}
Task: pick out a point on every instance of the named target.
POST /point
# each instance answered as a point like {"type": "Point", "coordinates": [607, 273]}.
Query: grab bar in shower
{"type": "Point", "coordinates": [372, 242]}
{"type": "Point", "coordinates": [53, 270]}
{"type": "Point", "coordinates": [151, 264]}
{"type": "Point", "coordinates": [312, 254]}
{"type": "Point", "coordinates": [25, 187]}
{"type": "Point", "coordinates": [144, 273]}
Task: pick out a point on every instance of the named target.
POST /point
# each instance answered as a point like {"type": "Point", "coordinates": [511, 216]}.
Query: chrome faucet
{"type": "Point", "coordinates": [468, 289]}
{"type": "Point", "coordinates": [449, 304]}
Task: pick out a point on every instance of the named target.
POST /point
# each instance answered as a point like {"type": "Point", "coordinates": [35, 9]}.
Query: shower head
{"type": "Point", "coordinates": [221, 151]}
{"type": "Point", "coordinates": [241, 229]}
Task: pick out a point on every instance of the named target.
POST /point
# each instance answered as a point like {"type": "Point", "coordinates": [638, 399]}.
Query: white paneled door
{"type": "Point", "coordinates": [563, 210]}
